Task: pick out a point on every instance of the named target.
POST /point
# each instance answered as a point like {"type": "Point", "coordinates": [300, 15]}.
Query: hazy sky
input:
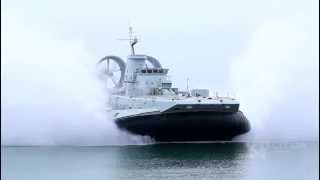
{"type": "Point", "coordinates": [205, 35]}
{"type": "Point", "coordinates": [264, 52]}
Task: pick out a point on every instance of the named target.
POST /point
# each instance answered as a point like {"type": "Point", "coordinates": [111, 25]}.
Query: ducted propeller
{"type": "Point", "coordinates": [112, 68]}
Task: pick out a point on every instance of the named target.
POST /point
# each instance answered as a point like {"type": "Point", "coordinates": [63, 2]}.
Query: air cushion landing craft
{"type": "Point", "coordinates": [142, 101]}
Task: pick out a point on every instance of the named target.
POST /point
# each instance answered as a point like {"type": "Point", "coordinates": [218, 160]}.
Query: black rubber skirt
{"type": "Point", "coordinates": [186, 126]}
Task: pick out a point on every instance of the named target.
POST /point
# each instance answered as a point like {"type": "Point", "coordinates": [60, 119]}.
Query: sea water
{"type": "Point", "coordinates": [223, 160]}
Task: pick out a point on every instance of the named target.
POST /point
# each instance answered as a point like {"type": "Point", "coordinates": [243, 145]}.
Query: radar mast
{"type": "Point", "coordinates": [132, 40]}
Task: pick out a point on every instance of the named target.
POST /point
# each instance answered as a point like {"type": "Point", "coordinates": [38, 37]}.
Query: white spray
{"type": "Point", "coordinates": [276, 80]}
{"type": "Point", "coordinates": [50, 94]}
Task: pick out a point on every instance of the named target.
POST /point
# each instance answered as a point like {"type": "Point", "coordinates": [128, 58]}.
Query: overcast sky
{"type": "Point", "coordinates": [264, 52]}
{"type": "Point", "coordinates": [205, 35]}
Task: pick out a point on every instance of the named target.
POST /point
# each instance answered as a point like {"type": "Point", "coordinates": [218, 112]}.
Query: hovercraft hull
{"type": "Point", "coordinates": [186, 126]}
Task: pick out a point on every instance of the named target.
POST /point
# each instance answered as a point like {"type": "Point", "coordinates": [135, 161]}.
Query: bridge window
{"type": "Point", "coordinates": [156, 70]}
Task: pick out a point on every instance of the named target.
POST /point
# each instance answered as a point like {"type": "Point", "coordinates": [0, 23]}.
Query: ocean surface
{"type": "Point", "coordinates": [253, 161]}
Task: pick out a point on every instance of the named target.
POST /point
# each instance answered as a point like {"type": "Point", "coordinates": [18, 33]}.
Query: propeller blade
{"type": "Point", "coordinates": [113, 80]}
{"type": "Point", "coordinates": [115, 70]}
{"type": "Point", "coordinates": [108, 64]}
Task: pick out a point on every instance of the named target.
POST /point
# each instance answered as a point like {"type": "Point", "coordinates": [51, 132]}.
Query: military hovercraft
{"type": "Point", "coordinates": [143, 101]}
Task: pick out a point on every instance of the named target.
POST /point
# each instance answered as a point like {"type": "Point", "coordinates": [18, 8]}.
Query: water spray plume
{"type": "Point", "coordinates": [50, 94]}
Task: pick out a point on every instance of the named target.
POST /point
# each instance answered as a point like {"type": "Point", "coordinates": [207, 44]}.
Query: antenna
{"type": "Point", "coordinates": [188, 87]}
{"type": "Point", "coordinates": [132, 41]}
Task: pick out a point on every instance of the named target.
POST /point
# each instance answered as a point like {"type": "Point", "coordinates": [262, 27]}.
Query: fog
{"type": "Point", "coordinates": [276, 77]}
{"type": "Point", "coordinates": [265, 53]}
{"type": "Point", "coordinates": [50, 93]}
